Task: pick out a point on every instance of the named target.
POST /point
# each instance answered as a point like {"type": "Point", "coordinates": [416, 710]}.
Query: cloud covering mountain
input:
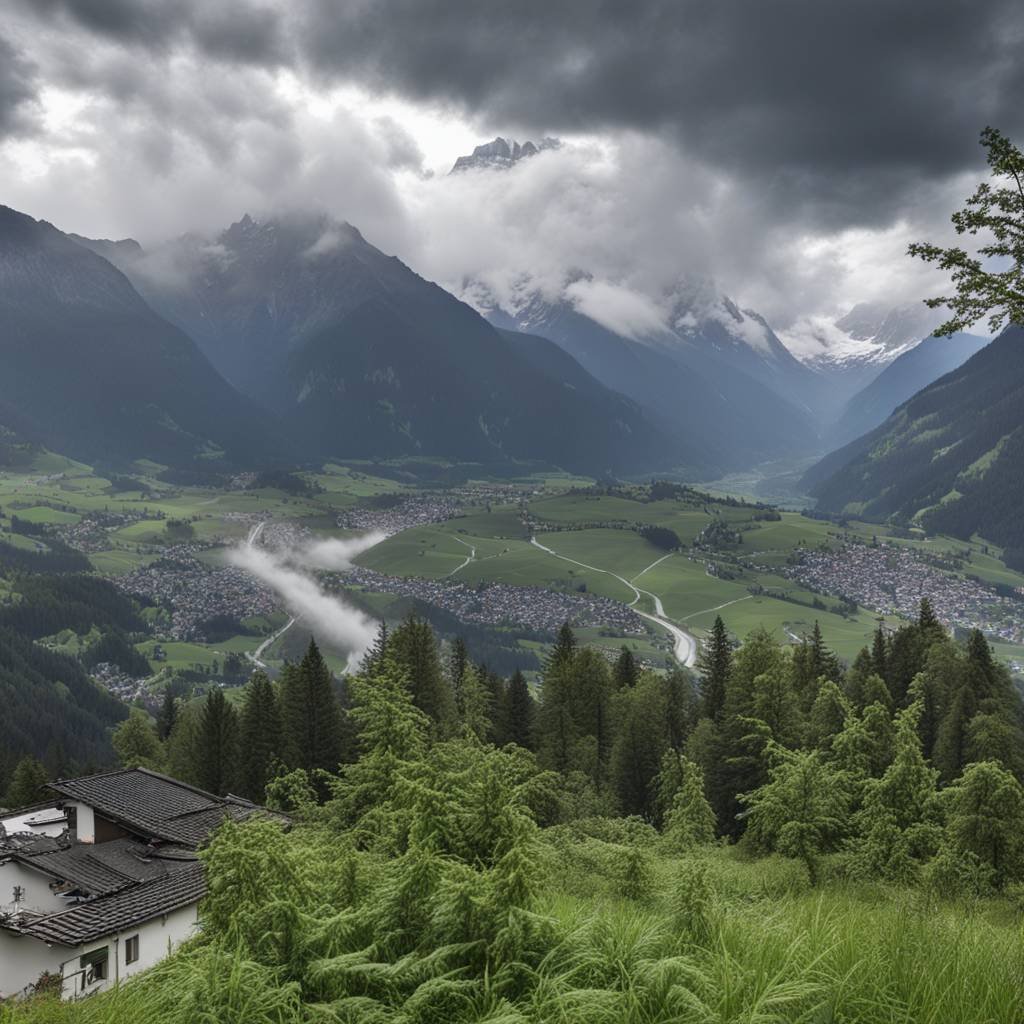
{"type": "Point", "coordinates": [789, 151]}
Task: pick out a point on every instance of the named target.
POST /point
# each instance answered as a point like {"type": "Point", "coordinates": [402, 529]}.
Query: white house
{"type": "Point", "coordinates": [104, 882]}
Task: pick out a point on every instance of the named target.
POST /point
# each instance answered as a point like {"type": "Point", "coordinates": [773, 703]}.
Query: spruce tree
{"type": "Point", "coordinates": [639, 745]}
{"type": "Point", "coordinates": [690, 821]}
{"type": "Point", "coordinates": [260, 732]}
{"type": "Point", "coordinates": [414, 647]}
{"type": "Point", "coordinates": [520, 711]}
{"type": "Point", "coordinates": [137, 743]}
{"type": "Point", "coordinates": [168, 714]}
{"type": "Point", "coordinates": [310, 714]}
{"type": "Point", "coordinates": [217, 744]}
{"type": "Point", "coordinates": [626, 670]}
{"type": "Point", "coordinates": [28, 784]}
{"type": "Point", "coordinates": [564, 650]}
{"type": "Point", "coordinates": [986, 819]}
{"type": "Point", "coordinates": [476, 700]}
{"type": "Point", "coordinates": [879, 653]}
{"type": "Point", "coordinates": [714, 665]}
{"type": "Point", "coordinates": [458, 661]}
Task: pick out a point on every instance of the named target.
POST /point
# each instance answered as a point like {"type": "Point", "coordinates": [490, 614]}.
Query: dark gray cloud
{"type": "Point", "coordinates": [833, 106]}
{"type": "Point", "coordinates": [834, 109]}
{"type": "Point", "coordinates": [246, 31]}
{"type": "Point", "coordinates": [754, 139]}
{"type": "Point", "coordinates": [17, 91]}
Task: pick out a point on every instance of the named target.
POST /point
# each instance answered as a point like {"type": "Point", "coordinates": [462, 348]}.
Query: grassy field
{"type": "Point", "coordinates": [690, 592]}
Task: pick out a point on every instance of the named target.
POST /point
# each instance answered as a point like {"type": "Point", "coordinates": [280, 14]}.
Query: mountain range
{"type": "Point", "coordinates": [915, 368]}
{"type": "Point", "coordinates": [294, 338]}
{"type": "Point", "coordinates": [89, 369]}
{"type": "Point", "coordinates": [951, 458]}
{"type": "Point", "coordinates": [363, 357]}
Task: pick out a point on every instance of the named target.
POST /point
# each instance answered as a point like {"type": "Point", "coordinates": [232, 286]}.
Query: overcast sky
{"type": "Point", "coordinates": [788, 148]}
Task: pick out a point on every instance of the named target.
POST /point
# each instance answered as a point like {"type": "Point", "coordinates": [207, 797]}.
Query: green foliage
{"type": "Point", "coordinates": [137, 743]}
{"type": "Point", "coordinates": [260, 737]}
{"type": "Point", "coordinates": [445, 879]}
{"type": "Point", "coordinates": [986, 819]}
{"type": "Point", "coordinates": [28, 784]}
{"type": "Point", "coordinates": [801, 810]}
{"type": "Point", "coordinates": [982, 290]}
{"type": "Point", "coordinates": [216, 744]}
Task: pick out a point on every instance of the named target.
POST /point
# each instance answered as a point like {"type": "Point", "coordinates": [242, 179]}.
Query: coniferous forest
{"type": "Point", "coordinates": [776, 838]}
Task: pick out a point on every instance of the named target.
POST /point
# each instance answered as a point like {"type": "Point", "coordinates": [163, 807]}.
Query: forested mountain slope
{"type": "Point", "coordinates": [89, 369]}
{"type": "Point", "coordinates": [952, 456]}
{"type": "Point", "coordinates": [901, 379]}
{"type": "Point", "coordinates": [366, 358]}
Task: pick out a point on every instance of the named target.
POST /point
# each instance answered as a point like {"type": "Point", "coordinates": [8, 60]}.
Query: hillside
{"type": "Point", "coordinates": [913, 370]}
{"type": "Point", "coordinates": [952, 456]}
{"type": "Point", "coordinates": [366, 358]}
{"type": "Point", "coordinates": [89, 369]}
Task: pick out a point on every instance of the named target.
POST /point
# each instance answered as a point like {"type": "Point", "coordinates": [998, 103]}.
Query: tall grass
{"type": "Point", "coordinates": [715, 940]}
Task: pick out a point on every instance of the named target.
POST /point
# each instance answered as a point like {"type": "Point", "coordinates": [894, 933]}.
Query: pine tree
{"type": "Point", "coordinates": [927, 622]}
{"type": "Point", "coordinates": [802, 810]}
{"type": "Point", "coordinates": [168, 714]}
{"type": "Point", "coordinates": [640, 742]}
{"type": "Point", "coordinates": [626, 671]}
{"type": "Point", "coordinates": [775, 702]}
{"type": "Point", "coordinates": [951, 744]}
{"type": "Point", "coordinates": [260, 732]}
{"type": "Point", "coordinates": [986, 819]}
{"type": "Point", "coordinates": [374, 657]}
{"type": "Point", "coordinates": [310, 714]}
{"type": "Point", "coordinates": [28, 784]}
{"type": "Point", "coordinates": [879, 653]}
{"type": "Point", "coordinates": [520, 711]}
{"type": "Point", "coordinates": [458, 661]}
{"type": "Point", "coordinates": [690, 821]}
{"type": "Point", "coordinates": [828, 717]}
{"type": "Point", "coordinates": [591, 690]}
{"type": "Point", "coordinates": [476, 701]}
{"type": "Point", "coordinates": [217, 744]}
{"type": "Point", "coordinates": [414, 647]}
{"type": "Point", "coordinates": [564, 650]}
{"type": "Point", "coordinates": [714, 666]}
{"type": "Point", "coordinates": [137, 743]}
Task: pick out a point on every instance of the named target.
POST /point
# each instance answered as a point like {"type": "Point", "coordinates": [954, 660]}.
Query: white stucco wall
{"type": "Point", "coordinates": [85, 827]}
{"type": "Point", "coordinates": [23, 959]}
{"type": "Point", "coordinates": [37, 894]}
{"type": "Point", "coordinates": [157, 938]}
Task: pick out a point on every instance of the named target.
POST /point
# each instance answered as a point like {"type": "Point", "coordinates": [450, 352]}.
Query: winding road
{"type": "Point", "coordinates": [469, 557]}
{"type": "Point", "coordinates": [256, 656]}
{"type": "Point", "coordinates": [684, 644]}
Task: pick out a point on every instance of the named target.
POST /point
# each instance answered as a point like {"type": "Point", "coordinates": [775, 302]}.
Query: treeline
{"type": "Point", "coordinates": [58, 558]}
{"type": "Point", "coordinates": [304, 721]}
{"type": "Point", "coordinates": [50, 604]}
{"type": "Point", "coordinates": [573, 873]}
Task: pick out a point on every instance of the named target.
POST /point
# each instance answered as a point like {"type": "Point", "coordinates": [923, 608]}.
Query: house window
{"type": "Point", "coordinates": [94, 965]}
{"type": "Point", "coordinates": [131, 949]}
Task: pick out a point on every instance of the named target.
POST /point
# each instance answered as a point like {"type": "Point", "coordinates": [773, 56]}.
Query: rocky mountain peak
{"type": "Point", "coordinates": [502, 153]}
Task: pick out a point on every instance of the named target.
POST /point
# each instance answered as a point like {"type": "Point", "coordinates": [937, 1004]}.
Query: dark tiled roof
{"type": "Point", "coordinates": [155, 805]}
{"type": "Point", "coordinates": [182, 886]}
{"type": "Point", "coordinates": [98, 870]}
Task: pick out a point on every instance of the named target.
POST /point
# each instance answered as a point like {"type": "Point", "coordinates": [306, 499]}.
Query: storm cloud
{"type": "Point", "coordinates": [790, 149]}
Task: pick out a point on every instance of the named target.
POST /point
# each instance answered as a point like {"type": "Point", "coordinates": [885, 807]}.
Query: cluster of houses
{"type": "Point", "coordinates": [104, 881]}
